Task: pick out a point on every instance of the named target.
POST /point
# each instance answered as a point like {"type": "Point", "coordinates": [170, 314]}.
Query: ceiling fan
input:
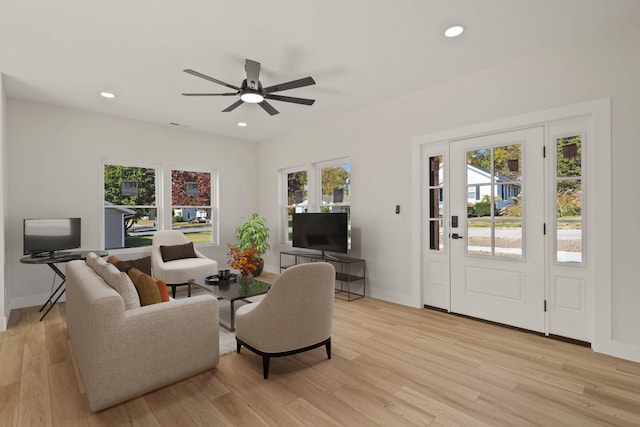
{"type": "Point", "coordinates": [251, 89]}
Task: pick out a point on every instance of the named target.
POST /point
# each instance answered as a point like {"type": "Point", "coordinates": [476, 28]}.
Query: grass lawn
{"type": "Point", "coordinates": [140, 241]}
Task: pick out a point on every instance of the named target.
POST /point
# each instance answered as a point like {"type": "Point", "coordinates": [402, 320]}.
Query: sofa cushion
{"type": "Point", "coordinates": [146, 286]}
{"type": "Point", "coordinates": [172, 253]}
{"type": "Point", "coordinates": [122, 284]}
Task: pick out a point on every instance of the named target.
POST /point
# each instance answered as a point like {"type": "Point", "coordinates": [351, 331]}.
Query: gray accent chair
{"type": "Point", "coordinates": [296, 314]}
{"type": "Point", "coordinates": [178, 272]}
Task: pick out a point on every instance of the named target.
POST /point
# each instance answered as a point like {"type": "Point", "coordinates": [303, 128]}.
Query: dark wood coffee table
{"type": "Point", "coordinates": [232, 292]}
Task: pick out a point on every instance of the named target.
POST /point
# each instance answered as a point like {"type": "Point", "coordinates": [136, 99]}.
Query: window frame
{"type": "Point", "coordinates": [580, 132]}
{"type": "Point", "coordinates": [157, 167]}
{"type": "Point", "coordinates": [284, 190]}
{"type": "Point", "coordinates": [314, 190]}
{"type": "Point", "coordinates": [163, 206]}
{"type": "Point", "coordinates": [213, 188]}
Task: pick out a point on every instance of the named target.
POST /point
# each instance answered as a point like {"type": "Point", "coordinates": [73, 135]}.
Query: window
{"type": "Point", "coordinates": [130, 205]}
{"type": "Point", "coordinates": [134, 210]}
{"type": "Point", "coordinates": [336, 192]}
{"type": "Point", "coordinates": [569, 221]}
{"type": "Point", "coordinates": [297, 198]}
{"type": "Point", "coordinates": [436, 203]}
{"type": "Point", "coordinates": [494, 177]}
{"type": "Point", "coordinates": [327, 189]}
{"type": "Point", "coordinates": [191, 205]}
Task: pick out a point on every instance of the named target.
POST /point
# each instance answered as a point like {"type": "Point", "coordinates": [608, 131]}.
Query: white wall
{"type": "Point", "coordinates": [55, 171]}
{"type": "Point", "coordinates": [4, 306]}
{"type": "Point", "coordinates": [378, 140]}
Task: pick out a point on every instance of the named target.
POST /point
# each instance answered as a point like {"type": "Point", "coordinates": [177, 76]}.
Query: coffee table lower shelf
{"type": "Point", "coordinates": [232, 292]}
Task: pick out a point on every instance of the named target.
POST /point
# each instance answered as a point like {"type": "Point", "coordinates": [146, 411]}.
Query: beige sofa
{"type": "Point", "coordinates": [122, 354]}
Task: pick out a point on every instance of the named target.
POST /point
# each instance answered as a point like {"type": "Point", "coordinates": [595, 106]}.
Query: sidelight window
{"type": "Point", "coordinates": [436, 202]}
{"type": "Point", "coordinates": [569, 202]}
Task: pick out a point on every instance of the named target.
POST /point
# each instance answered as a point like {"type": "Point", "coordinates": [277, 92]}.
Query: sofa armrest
{"type": "Point", "coordinates": [149, 347]}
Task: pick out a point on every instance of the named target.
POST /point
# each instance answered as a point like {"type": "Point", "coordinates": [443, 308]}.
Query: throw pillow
{"type": "Point", "coordinates": [146, 287]}
{"type": "Point", "coordinates": [100, 266]}
{"type": "Point", "coordinates": [142, 264]}
{"type": "Point", "coordinates": [92, 260]}
{"type": "Point", "coordinates": [121, 283]}
{"type": "Point", "coordinates": [172, 253]}
{"type": "Point", "coordinates": [164, 290]}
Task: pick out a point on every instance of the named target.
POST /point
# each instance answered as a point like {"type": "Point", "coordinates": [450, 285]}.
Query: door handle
{"type": "Point", "coordinates": [456, 236]}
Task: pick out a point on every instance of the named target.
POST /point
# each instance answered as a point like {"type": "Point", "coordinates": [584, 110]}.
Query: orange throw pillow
{"type": "Point", "coordinates": [146, 287]}
{"type": "Point", "coordinates": [164, 290]}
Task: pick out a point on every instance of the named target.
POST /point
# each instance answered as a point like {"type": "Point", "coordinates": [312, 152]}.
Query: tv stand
{"type": "Point", "coordinates": [51, 259]}
{"type": "Point", "coordinates": [350, 272]}
{"type": "Point", "coordinates": [330, 257]}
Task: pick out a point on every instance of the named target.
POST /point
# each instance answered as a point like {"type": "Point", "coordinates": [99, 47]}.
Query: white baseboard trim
{"type": "Point", "coordinates": [31, 301]}
{"type": "Point", "coordinates": [394, 297]}
{"type": "Point", "coordinates": [619, 349]}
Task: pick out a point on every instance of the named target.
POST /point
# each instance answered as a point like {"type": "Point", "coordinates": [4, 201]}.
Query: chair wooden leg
{"type": "Point", "coordinates": [173, 291]}
{"type": "Point", "coordinates": [328, 347]}
{"type": "Point", "coordinates": [238, 347]}
{"type": "Point", "coordinates": [265, 366]}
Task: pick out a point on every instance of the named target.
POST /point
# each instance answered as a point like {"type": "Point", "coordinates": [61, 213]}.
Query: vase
{"type": "Point", "coordinates": [245, 281]}
{"type": "Point", "coordinates": [259, 268]}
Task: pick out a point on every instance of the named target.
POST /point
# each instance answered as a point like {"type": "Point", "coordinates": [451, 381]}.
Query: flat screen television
{"type": "Point", "coordinates": [46, 236]}
{"type": "Point", "coordinates": [321, 231]}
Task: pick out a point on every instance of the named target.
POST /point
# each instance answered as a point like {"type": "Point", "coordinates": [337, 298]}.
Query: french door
{"type": "Point", "coordinates": [496, 228]}
{"type": "Point", "coordinates": [512, 220]}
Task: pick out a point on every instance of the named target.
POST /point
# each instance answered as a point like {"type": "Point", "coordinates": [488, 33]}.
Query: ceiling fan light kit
{"type": "Point", "coordinates": [252, 92]}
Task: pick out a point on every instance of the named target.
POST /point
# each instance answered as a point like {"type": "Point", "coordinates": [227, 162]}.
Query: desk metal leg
{"type": "Point", "coordinates": [60, 289]}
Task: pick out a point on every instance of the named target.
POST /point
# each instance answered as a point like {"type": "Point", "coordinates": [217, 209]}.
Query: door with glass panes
{"type": "Point", "coordinates": [497, 269]}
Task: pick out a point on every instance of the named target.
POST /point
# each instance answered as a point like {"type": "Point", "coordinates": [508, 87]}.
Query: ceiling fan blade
{"type": "Point", "coordinates": [268, 108]}
{"type": "Point", "coordinates": [211, 94]}
{"type": "Point", "coordinates": [306, 81]}
{"type": "Point", "coordinates": [253, 74]}
{"type": "Point", "coordinates": [233, 106]}
{"type": "Point", "coordinates": [302, 101]}
{"type": "Point", "coordinates": [211, 79]}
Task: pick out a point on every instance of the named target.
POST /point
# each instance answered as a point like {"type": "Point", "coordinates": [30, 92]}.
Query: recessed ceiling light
{"type": "Point", "coordinates": [242, 124]}
{"type": "Point", "coordinates": [107, 95]}
{"type": "Point", "coordinates": [454, 31]}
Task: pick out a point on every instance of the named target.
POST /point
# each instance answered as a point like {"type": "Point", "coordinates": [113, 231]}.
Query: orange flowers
{"type": "Point", "coordinates": [246, 261]}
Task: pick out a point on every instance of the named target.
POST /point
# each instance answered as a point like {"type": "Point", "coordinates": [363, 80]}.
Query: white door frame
{"type": "Point", "coordinates": [600, 113]}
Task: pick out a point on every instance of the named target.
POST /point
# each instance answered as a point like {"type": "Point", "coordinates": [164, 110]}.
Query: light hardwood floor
{"type": "Point", "coordinates": [391, 366]}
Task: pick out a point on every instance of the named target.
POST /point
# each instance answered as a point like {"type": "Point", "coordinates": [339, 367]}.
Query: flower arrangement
{"type": "Point", "coordinates": [246, 261]}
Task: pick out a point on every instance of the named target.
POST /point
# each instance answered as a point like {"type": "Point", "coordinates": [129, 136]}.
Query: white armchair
{"type": "Point", "coordinates": [178, 271]}
{"type": "Point", "coordinates": [296, 314]}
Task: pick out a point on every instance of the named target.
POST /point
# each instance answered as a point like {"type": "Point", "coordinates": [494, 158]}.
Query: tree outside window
{"type": "Point", "coordinates": [297, 198]}
{"type": "Point", "coordinates": [191, 205]}
{"type": "Point", "coordinates": [130, 205]}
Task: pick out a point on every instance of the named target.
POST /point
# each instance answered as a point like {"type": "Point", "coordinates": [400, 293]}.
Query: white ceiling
{"type": "Point", "coordinates": [360, 52]}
